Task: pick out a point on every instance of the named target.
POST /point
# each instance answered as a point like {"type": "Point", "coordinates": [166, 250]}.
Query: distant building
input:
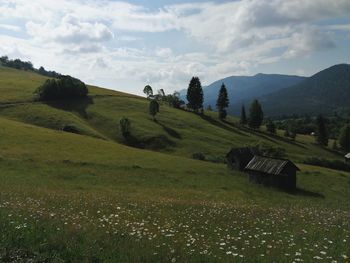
{"type": "Point", "coordinates": [347, 157]}
{"type": "Point", "coordinates": [238, 158]}
{"type": "Point", "coordinates": [279, 173]}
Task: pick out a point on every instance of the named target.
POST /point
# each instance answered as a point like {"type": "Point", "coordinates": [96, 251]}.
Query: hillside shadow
{"type": "Point", "coordinates": [307, 193]}
{"type": "Point", "coordinates": [330, 150]}
{"type": "Point", "coordinates": [274, 138]}
{"type": "Point", "coordinates": [73, 105]}
{"type": "Point", "coordinates": [220, 124]}
{"type": "Point", "coordinates": [160, 142]}
{"type": "Point", "coordinates": [171, 132]}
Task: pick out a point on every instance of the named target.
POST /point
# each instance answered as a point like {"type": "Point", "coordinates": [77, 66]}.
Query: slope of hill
{"type": "Point", "coordinates": [243, 88]}
{"type": "Point", "coordinates": [177, 132]}
{"type": "Point", "coordinates": [324, 92]}
{"type": "Point", "coordinates": [87, 198]}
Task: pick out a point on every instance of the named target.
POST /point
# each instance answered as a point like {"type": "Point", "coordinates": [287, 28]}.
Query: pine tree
{"type": "Point", "coordinates": [195, 94]}
{"type": "Point", "coordinates": [322, 133]}
{"type": "Point", "coordinates": [270, 126]}
{"type": "Point", "coordinates": [344, 138]}
{"type": "Point", "coordinates": [256, 115]}
{"type": "Point", "coordinates": [243, 120]}
{"type": "Point", "coordinates": [222, 102]}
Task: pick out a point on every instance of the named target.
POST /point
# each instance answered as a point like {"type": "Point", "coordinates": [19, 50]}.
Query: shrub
{"type": "Point", "coordinates": [332, 164]}
{"type": "Point", "coordinates": [65, 87]}
{"type": "Point", "coordinates": [198, 156]}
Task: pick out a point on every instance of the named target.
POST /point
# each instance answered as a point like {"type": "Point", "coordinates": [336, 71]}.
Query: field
{"type": "Point", "coordinates": [89, 198]}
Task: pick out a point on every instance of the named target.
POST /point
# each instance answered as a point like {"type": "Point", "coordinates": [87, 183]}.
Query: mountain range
{"type": "Point", "coordinates": [324, 92]}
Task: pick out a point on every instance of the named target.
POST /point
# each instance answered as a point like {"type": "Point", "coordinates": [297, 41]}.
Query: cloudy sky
{"type": "Point", "coordinates": [124, 45]}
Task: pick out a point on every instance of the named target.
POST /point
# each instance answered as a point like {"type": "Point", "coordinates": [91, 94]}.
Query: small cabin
{"type": "Point", "coordinates": [238, 158]}
{"type": "Point", "coordinates": [280, 173]}
{"type": "Point", "coordinates": [347, 157]}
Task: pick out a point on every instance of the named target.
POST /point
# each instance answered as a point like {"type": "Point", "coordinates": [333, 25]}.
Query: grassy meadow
{"type": "Point", "coordinates": [89, 198]}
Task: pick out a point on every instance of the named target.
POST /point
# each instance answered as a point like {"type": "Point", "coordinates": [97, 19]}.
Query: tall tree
{"type": "Point", "coordinates": [222, 102]}
{"type": "Point", "coordinates": [322, 133]}
{"type": "Point", "coordinates": [270, 126]}
{"type": "Point", "coordinates": [195, 94]}
{"type": "Point", "coordinates": [256, 115]}
{"type": "Point", "coordinates": [344, 138]}
{"type": "Point", "coordinates": [153, 108]}
{"type": "Point", "coordinates": [243, 120]}
{"type": "Point", "coordinates": [148, 91]}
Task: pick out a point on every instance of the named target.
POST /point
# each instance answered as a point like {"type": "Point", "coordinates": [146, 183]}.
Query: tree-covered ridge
{"type": "Point", "coordinates": [324, 92]}
{"type": "Point", "coordinates": [26, 65]}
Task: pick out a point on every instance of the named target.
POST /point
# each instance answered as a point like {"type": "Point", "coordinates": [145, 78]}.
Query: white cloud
{"type": "Point", "coordinates": [10, 27]}
{"type": "Point", "coordinates": [118, 40]}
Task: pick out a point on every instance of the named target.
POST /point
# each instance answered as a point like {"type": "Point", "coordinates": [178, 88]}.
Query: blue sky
{"type": "Point", "coordinates": [125, 45]}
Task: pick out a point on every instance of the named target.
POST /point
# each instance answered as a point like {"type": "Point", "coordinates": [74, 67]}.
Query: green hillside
{"type": "Point", "coordinates": [89, 198]}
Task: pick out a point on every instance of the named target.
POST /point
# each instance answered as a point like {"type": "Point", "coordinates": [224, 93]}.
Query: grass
{"type": "Point", "coordinates": [89, 198]}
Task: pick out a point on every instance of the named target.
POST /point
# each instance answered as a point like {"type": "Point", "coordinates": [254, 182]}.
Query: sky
{"type": "Point", "coordinates": [125, 45]}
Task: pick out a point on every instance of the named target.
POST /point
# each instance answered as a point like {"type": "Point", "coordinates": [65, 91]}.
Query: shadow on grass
{"type": "Point", "coordinates": [329, 150]}
{"type": "Point", "coordinates": [307, 193]}
{"type": "Point", "coordinates": [153, 143]}
{"type": "Point", "coordinates": [169, 131]}
{"type": "Point", "coordinates": [274, 138]}
{"type": "Point", "coordinates": [221, 125]}
{"type": "Point", "coordinates": [73, 105]}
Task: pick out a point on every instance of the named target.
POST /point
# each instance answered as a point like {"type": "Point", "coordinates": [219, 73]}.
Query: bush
{"type": "Point", "coordinates": [65, 87]}
{"type": "Point", "coordinates": [332, 164]}
{"type": "Point", "coordinates": [198, 156]}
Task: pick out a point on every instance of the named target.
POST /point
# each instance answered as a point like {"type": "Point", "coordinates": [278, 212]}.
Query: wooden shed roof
{"type": "Point", "coordinates": [269, 165]}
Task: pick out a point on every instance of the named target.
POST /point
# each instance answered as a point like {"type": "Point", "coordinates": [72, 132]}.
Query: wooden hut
{"type": "Point", "coordinates": [279, 173]}
{"type": "Point", "coordinates": [347, 157]}
{"type": "Point", "coordinates": [238, 158]}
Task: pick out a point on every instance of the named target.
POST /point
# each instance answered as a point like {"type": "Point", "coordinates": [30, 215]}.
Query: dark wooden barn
{"type": "Point", "coordinates": [279, 173]}
{"type": "Point", "coordinates": [238, 158]}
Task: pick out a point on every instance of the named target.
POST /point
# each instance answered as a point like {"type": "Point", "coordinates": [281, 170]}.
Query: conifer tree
{"type": "Point", "coordinates": [322, 133]}
{"type": "Point", "coordinates": [344, 138]}
{"type": "Point", "coordinates": [222, 102]}
{"type": "Point", "coordinates": [256, 115]}
{"type": "Point", "coordinates": [243, 119]}
{"type": "Point", "coordinates": [270, 126]}
{"type": "Point", "coordinates": [195, 94]}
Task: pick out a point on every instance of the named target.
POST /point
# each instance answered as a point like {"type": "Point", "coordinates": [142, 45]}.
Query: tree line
{"type": "Point", "coordinates": [27, 65]}
{"type": "Point", "coordinates": [253, 120]}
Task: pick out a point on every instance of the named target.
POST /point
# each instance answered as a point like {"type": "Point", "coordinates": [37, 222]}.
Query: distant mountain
{"type": "Point", "coordinates": [244, 88]}
{"type": "Point", "coordinates": [323, 92]}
